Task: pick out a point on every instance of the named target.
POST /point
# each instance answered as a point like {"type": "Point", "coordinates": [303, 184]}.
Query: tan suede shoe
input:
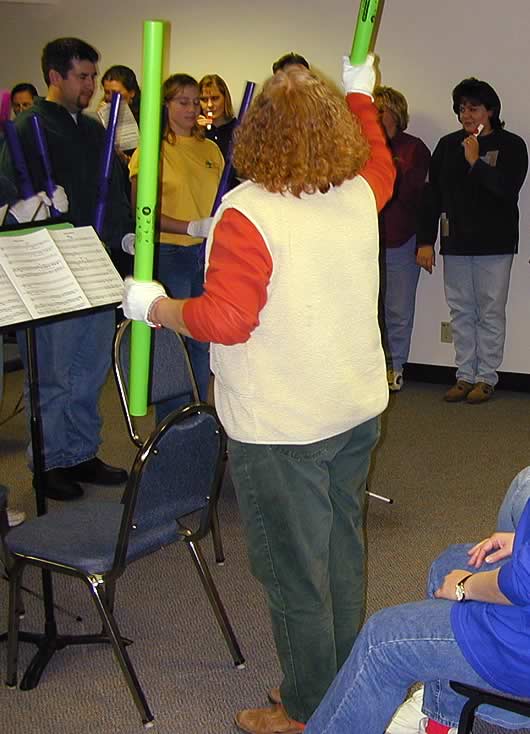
{"type": "Point", "coordinates": [273, 720]}
{"type": "Point", "coordinates": [480, 393]}
{"type": "Point", "coordinates": [458, 392]}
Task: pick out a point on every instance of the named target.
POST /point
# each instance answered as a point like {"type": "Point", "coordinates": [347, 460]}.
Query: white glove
{"type": "Point", "coordinates": [200, 227]}
{"type": "Point", "coordinates": [359, 78]}
{"type": "Point", "coordinates": [127, 243]}
{"type": "Point", "coordinates": [138, 298]}
{"type": "Point", "coordinates": [34, 209]}
{"type": "Point", "coordinates": [59, 200]}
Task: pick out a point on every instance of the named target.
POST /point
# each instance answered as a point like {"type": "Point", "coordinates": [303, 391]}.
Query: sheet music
{"type": "Point", "coordinates": [12, 309]}
{"type": "Point", "coordinates": [88, 260]}
{"type": "Point", "coordinates": [40, 275]}
{"type": "Point", "coordinates": [127, 132]}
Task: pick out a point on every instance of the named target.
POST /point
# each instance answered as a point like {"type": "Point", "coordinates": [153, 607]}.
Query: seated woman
{"type": "Point", "coordinates": [190, 171]}
{"type": "Point", "coordinates": [217, 118]}
{"type": "Point", "coordinates": [473, 629]}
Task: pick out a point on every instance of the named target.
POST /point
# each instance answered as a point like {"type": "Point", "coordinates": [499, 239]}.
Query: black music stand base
{"type": "Point", "coordinates": [47, 647]}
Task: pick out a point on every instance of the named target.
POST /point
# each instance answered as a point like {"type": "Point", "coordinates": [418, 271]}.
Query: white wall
{"type": "Point", "coordinates": [425, 48]}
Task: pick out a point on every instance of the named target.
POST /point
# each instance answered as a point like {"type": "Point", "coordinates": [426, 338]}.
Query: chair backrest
{"type": "Point", "coordinates": [171, 374]}
{"type": "Point", "coordinates": [178, 471]}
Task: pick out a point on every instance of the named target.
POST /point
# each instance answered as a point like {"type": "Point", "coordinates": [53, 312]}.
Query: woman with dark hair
{"type": "Point", "coordinates": [217, 118]}
{"type": "Point", "coordinates": [190, 171]}
{"type": "Point", "coordinates": [475, 177]}
{"type": "Point", "coordinates": [122, 79]}
{"type": "Point", "coordinates": [397, 232]}
{"type": "Point", "coordinates": [290, 306]}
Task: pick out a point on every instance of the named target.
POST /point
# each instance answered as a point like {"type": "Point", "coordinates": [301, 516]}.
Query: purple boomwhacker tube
{"type": "Point", "coordinates": [42, 148]}
{"type": "Point", "coordinates": [227, 172]}
{"type": "Point", "coordinates": [25, 184]}
{"type": "Point", "coordinates": [106, 165]}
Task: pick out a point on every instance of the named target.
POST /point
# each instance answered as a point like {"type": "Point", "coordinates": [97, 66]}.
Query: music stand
{"type": "Point", "coordinates": [49, 641]}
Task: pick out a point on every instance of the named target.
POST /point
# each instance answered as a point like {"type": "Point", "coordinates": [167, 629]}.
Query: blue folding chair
{"type": "Point", "coordinates": [96, 541]}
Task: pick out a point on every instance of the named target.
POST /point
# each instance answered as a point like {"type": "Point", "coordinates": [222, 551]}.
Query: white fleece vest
{"type": "Point", "coordinates": [314, 366]}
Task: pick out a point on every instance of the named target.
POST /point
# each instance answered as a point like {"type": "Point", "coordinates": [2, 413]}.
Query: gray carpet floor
{"type": "Point", "coordinates": [445, 466]}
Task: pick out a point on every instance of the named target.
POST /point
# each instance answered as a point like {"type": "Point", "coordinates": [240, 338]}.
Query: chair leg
{"type": "Point", "coordinates": [216, 538]}
{"type": "Point", "coordinates": [216, 603]}
{"type": "Point", "coordinates": [15, 582]}
{"type": "Point", "coordinates": [99, 594]}
{"type": "Point", "coordinates": [467, 717]}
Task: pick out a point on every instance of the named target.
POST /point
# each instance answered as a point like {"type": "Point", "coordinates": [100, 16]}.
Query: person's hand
{"type": "Point", "coordinates": [425, 257]}
{"type": "Point", "coordinates": [34, 209]}
{"type": "Point", "coordinates": [204, 120]}
{"type": "Point", "coordinates": [471, 149]}
{"type": "Point", "coordinates": [139, 297]}
{"type": "Point", "coordinates": [127, 243]}
{"type": "Point", "coordinates": [492, 549]}
{"type": "Point", "coordinates": [59, 200]}
{"type": "Point", "coordinates": [447, 589]}
{"type": "Point", "coordinates": [200, 227]}
{"type": "Point", "coordinates": [359, 78]}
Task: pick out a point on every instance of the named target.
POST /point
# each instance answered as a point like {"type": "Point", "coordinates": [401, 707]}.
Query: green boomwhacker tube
{"type": "Point", "coordinates": [364, 30]}
{"type": "Point", "coordinates": [146, 203]}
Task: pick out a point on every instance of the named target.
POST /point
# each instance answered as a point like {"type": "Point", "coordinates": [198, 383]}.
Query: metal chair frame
{"type": "Point", "coordinates": [477, 696]}
{"type": "Point", "coordinates": [121, 378]}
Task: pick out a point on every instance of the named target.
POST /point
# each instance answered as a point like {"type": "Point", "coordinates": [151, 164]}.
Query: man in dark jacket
{"type": "Point", "coordinates": [74, 354]}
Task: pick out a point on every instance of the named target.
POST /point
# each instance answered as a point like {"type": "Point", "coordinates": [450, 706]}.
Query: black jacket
{"type": "Point", "coordinates": [477, 206]}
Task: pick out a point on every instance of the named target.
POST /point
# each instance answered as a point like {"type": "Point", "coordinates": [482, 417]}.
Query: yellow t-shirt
{"type": "Point", "coordinates": [190, 171]}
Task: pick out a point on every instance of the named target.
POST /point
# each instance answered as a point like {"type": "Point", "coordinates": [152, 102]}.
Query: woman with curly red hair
{"type": "Point", "coordinates": [290, 306]}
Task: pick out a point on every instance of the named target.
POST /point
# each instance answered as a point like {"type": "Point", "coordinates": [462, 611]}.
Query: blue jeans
{"type": "Point", "coordinates": [413, 642]}
{"type": "Point", "coordinates": [400, 280]}
{"type": "Point", "coordinates": [302, 508]}
{"type": "Point", "coordinates": [476, 290]}
{"type": "Point", "coordinates": [181, 272]}
{"type": "Point", "coordinates": [73, 360]}
{"type": "Point", "coordinates": [514, 502]}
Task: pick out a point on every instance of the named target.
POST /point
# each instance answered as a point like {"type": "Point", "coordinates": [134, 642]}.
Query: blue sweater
{"type": "Point", "coordinates": [495, 638]}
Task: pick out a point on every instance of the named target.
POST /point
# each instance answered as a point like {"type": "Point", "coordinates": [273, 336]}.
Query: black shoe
{"type": "Point", "coordinates": [95, 471]}
{"type": "Point", "coordinates": [58, 485]}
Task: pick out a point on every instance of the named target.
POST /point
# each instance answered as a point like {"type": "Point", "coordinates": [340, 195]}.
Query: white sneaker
{"type": "Point", "coordinates": [409, 718]}
{"type": "Point", "coordinates": [15, 517]}
{"type": "Point", "coordinates": [394, 379]}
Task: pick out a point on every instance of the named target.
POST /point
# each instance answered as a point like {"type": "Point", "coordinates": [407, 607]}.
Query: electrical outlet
{"type": "Point", "coordinates": [446, 333]}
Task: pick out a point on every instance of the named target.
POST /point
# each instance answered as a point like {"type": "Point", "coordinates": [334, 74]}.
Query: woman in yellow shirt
{"type": "Point", "coordinates": [190, 171]}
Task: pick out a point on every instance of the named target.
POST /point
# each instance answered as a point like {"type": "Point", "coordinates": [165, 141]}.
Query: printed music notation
{"type": "Point", "coordinates": [49, 272]}
{"type": "Point", "coordinates": [127, 132]}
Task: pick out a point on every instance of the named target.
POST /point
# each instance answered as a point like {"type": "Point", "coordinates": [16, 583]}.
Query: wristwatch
{"type": "Point", "coordinates": [460, 592]}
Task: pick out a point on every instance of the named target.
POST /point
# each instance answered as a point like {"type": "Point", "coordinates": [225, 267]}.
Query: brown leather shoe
{"type": "Point", "coordinates": [480, 393]}
{"type": "Point", "coordinates": [274, 695]}
{"type": "Point", "coordinates": [273, 720]}
{"type": "Point", "coordinates": [458, 392]}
